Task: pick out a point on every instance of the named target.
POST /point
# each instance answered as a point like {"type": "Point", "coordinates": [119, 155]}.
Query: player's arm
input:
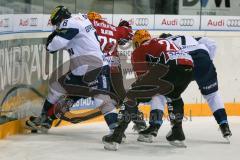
{"type": "Point", "coordinates": [62, 37]}
{"type": "Point", "coordinates": [125, 32]}
{"type": "Point", "coordinates": [138, 61]}
{"type": "Point", "coordinates": [124, 35]}
{"type": "Point", "coordinates": [210, 44]}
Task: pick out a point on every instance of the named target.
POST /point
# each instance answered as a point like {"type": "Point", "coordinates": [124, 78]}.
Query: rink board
{"type": "Point", "coordinates": [191, 110]}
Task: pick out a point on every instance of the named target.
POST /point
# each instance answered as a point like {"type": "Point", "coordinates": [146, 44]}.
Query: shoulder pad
{"type": "Point", "coordinates": [69, 23]}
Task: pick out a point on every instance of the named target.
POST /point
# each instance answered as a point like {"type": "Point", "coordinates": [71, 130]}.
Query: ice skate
{"type": "Point", "coordinates": [110, 142]}
{"type": "Point", "coordinates": [139, 126]}
{"type": "Point", "coordinates": [32, 124]}
{"type": "Point", "coordinates": [226, 132]}
{"type": "Point", "coordinates": [41, 124]}
{"type": "Point", "coordinates": [148, 134]}
{"type": "Point", "coordinates": [176, 136]}
{"type": "Point", "coordinates": [139, 123]}
{"type": "Point", "coordinates": [123, 138]}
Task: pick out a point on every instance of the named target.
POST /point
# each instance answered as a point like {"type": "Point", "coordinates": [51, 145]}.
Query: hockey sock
{"type": "Point", "coordinates": [216, 104]}
{"type": "Point", "coordinates": [48, 109]}
{"type": "Point", "coordinates": [156, 118]}
{"type": "Point", "coordinates": [214, 101]}
{"type": "Point", "coordinates": [220, 116]}
{"type": "Point", "coordinates": [111, 119]}
{"type": "Point", "coordinates": [175, 110]}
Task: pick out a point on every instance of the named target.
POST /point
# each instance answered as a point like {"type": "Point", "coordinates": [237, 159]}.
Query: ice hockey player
{"type": "Point", "coordinates": [89, 73]}
{"type": "Point", "coordinates": [203, 51]}
{"type": "Point", "coordinates": [110, 37]}
{"type": "Point", "coordinates": [158, 72]}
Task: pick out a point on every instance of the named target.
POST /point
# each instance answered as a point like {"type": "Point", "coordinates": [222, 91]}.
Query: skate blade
{"type": "Point", "coordinates": [136, 129]}
{"type": "Point", "coordinates": [145, 138]}
{"type": "Point", "coordinates": [227, 138]}
{"type": "Point", "coordinates": [124, 140]}
{"type": "Point", "coordinates": [32, 126]}
{"type": "Point", "coordinates": [111, 146]}
{"type": "Point", "coordinates": [179, 144]}
{"type": "Point", "coordinates": [33, 130]}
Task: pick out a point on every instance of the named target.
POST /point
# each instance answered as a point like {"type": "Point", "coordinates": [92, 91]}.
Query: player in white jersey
{"type": "Point", "coordinates": [203, 51]}
{"type": "Point", "coordinates": [88, 75]}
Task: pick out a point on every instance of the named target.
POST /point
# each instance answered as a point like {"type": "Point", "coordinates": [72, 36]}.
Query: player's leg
{"type": "Point", "coordinates": [118, 87]}
{"type": "Point", "coordinates": [47, 116]}
{"type": "Point", "coordinates": [147, 86]}
{"type": "Point", "coordinates": [155, 119]}
{"type": "Point", "coordinates": [176, 135]}
{"type": "Point", "coordinates": [180, 77]}
{"type": "Point", "coordinates": [124, 118]}
{"type": "Point", "coordinates": [206, 78]}
{"type": "Point", "coordinates": [108, 108]}
{"type": "Point", "coordinates": [139, 122]}
{"type": "Point", "coordinates": [217, 106]}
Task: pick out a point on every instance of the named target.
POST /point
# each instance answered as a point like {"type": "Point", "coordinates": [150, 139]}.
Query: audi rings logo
{"type": "Point", "coordinates": [33, 21]}
{"type": "Point", "coordinates": [186, 22]}
{"type": "Point", "coordinates": [233, 22]}
{"type": "Point", "coordinates": [141, 21]}
{"type": "Point", "coordinates": [4, 22]}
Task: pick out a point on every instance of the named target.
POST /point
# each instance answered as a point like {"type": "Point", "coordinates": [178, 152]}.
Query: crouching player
{"type": "Point", "coordinates": [203, 51]}
{"type": "Point", "coordinates": [160, 72]}
{"type": "Point", "coordinates": [110, 38]}
{"type": "Point", "coordinates": [88, 75]}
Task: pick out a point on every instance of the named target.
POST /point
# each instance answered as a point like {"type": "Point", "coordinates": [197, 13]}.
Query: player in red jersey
{"type": "Point", "coordinates": [110, 37]}
{"type": "Point", "coordinates": [161, 68]}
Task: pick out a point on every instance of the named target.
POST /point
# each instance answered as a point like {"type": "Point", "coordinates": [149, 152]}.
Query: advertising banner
{"type": "Point", "coordinates": [108, 18]}
{"type": "Point", "coordinates": [46, 23]}
{"type": "Point", "coordinates": [6, 23]}
{"type": "Point", "coordinates": [28, 22]}
{"type": "Point", "coordinates": [220, 23]}
{"type": "Point", "coordinates": [138, 21]}
{"type": "Point", "coordinates": [177, 22]}
{"type": "Point", "coordinates": [24, 74]}
{"type": "Point", "coordinates": [209, 7]}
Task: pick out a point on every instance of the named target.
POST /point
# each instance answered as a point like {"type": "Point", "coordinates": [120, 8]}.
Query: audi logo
{"type": "Point", "coordinates": [33, 21]}
{"type": "Point", "coordinates": [233, 22]}
{"type": "Point", "coordinates": [141, 21]}
{"type": "Point", "coordinates": [4, 22]}
{"type": "Point", "coordinates": [186, 22]}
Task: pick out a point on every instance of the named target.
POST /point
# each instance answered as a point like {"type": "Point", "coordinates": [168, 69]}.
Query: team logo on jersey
{"type": "Point", "coordinates": [175, 56]}
{"type": "Point", "coordinates": [186, 22]}
{"type": "Point", "coordinates": [89, 28]}
{"type": "Point", "coordinates": [233, 22]}
{"type": "Point", "coordinates": [166, 56]}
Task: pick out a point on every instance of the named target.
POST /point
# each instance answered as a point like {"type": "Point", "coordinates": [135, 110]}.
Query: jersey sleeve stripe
{"type": "Point", "coordinates": [68, 33]}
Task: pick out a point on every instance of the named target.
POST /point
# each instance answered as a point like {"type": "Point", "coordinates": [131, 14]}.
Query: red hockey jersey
{"type": "Point", "coordinates": [109, 35]}
{"type": "Point", "coordinates": [164, 49]}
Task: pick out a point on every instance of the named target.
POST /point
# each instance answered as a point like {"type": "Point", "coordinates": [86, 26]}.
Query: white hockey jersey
{"type": "Point", "coordinates": [189, 43]}
{"type": "Point", "coordinates": [78, 36]}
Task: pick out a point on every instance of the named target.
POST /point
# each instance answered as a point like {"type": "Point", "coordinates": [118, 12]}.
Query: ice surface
{"type": "Point", "coordinates": [83, 142]}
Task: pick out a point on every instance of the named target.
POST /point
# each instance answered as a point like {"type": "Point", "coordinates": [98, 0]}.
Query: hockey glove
{"type": "Point", "coordinates": [165, 35]}
{"type": "Point", "coordinates": [122, 41]}
{"type": "Point", "coordinates": [124, 23]}
{"type": "Point", "coordinates": [50, 38]}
